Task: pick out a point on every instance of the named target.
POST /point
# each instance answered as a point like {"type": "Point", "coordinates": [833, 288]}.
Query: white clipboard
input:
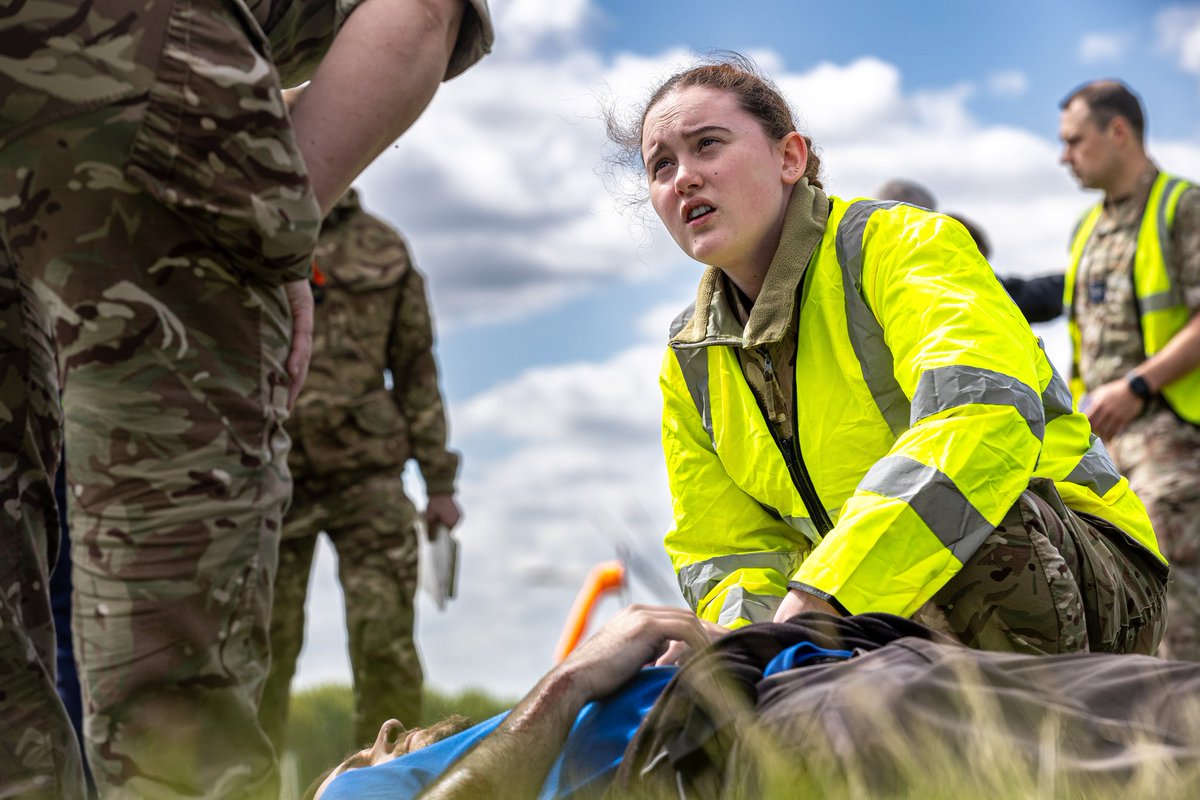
{"type": "Point", "coordinates": [437, 563]}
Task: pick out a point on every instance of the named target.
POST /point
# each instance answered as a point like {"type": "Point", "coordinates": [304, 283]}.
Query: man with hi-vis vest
{"type": "Point", "coordinates": [1132, 294]}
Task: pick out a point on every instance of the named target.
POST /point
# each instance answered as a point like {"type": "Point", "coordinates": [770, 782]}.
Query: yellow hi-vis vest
{"type": "Point", "coordinates": [924, 406]}
{"type": "Point", "coordinates": [1161, 309]}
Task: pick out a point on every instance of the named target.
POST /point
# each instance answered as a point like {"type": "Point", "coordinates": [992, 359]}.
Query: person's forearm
{"type": "Point", "coordinates": [1180, 356]}
{"type": "Point", "coordinates": [381, 71]}
{"type": "Point", "coordinates": [513, 762]}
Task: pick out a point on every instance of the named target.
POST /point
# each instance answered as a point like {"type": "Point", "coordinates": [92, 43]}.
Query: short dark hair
{"type": "Point", "coordinates": [1107, 99]}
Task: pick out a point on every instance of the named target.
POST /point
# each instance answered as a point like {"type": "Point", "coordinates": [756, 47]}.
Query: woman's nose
{"type": "Point", "coordinates": [687, 178]}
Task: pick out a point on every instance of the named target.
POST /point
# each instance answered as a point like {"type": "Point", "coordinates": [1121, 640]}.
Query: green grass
{"type": "Point", "coordinates": [320, 728]}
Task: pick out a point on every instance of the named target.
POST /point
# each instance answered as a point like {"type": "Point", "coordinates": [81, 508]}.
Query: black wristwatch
{"type": "Point", "coordinates": [1138, 385]}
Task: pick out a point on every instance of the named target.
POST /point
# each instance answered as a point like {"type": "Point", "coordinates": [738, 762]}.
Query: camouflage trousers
{"type": "Point", "coordinates": [174, 388]}
{"type": "Point", "coordinates": [1161, 457]}
{"type": "Point", "coordinates": [372, 524]}
{"type": "Point", "coordinates": [1053, 580]}
{"type": "Point", "coordinates": [39, 757]}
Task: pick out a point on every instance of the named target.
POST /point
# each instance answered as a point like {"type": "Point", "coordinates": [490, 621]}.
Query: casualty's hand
{"type": "Point", "coordinates": [1110, 407]}
{"type": "Point", "coordinates": [300, 299]}
{"type": "Point", "coordinates": [796, 602]}
{"type": "Point", "coordinates": [442, 510]}
{"type": "Point", "coordinates": [679, 651]}
{"type": "Point", "coordinates": [626, 643]}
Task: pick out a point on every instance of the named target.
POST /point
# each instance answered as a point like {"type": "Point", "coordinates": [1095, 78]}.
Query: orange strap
{"type": "Point", "coordinates": [604, 577]}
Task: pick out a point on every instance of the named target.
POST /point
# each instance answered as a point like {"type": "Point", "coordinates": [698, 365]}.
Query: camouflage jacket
{"type": "Point", "coordinates": [372, 317]}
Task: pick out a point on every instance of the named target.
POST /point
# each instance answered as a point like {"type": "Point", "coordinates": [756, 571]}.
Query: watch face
{"type": "Point", "coordinates": [1139, 386]}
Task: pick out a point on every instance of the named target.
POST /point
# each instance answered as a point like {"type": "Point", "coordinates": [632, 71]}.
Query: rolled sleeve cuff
{"type": "Point", "coordinates": [826, 596]}
{"type": "Point", "coordinates": [475, 38]}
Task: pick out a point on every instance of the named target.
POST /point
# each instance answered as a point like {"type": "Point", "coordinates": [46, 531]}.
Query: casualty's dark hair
{"type": "Point", "coordinates": [455, 723]}
{"type": "Point", "coordinates": [728, 72]}
{"type": "Point", "coordinates": [1107, 99]}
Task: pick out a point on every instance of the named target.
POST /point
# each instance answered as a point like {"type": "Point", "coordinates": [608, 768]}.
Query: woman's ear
{"type": "Point", "coordinates": [794, 150]}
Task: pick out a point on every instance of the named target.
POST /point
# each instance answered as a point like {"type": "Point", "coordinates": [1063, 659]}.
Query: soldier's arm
{"type": "Point", "coordinates": [418, 396]}
{"type": "Point", "coordinates": [379, 75]}
{"type": "Point", "coordinates": [1040, 299]}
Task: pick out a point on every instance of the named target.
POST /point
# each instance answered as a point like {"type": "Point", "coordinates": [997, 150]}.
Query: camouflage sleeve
{"type": "Point", "coordinates": [414, 370]}
{"type": "Point", "coordinates": [475, 38]}
{"type": "Point", "coordinates": [1186, 236]}
{"type": "Point", "coordinates": [301, 31]}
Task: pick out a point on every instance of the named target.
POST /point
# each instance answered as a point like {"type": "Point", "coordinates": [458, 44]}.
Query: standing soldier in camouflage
{"type": "Point", "coordinates": [158, 210]}
{"type": "Point", "coordinates": [1132, 294]}
{"type": "Point", "coordinates": [352, 434]}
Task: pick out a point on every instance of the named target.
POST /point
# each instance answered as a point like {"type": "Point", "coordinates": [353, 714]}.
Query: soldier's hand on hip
{"type": "Point", "coordinates": [300, 299]}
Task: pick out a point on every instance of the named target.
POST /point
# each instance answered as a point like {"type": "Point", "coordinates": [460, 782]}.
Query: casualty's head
{"type": "Point", "coordinates": [720, 153]}
{"type": "Point", "coordinates": [906, 191]}
{"type": "Point", "coordinates": [1103, 131]}
{"type": "Point", "coordinates": [393, 741]}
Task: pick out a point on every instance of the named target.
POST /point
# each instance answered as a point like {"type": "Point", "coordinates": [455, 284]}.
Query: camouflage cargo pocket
{"type": "Point", "coordinates": [368, 435]}
{"type": "Point", "coordinates": [1126, 588]}
{"type": "Point", "coordinates": [216, 145]}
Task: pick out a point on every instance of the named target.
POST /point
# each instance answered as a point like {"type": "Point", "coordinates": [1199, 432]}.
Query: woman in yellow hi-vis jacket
{"type": "Point", "coordinates": [857, 418]}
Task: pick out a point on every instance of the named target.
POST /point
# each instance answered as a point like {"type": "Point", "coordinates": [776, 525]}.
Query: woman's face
{"type": "Point", "coordinates": [717, 181]}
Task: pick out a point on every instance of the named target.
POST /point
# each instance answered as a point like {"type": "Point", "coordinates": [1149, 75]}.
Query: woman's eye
{"type": "Point", "coordinates": [660, 164]}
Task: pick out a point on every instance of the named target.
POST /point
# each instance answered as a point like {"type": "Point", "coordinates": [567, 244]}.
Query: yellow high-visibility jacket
{"type": "Point", "coordinates": [924, 406]}
{"type": "Point", "coordinates": [1162, 311]}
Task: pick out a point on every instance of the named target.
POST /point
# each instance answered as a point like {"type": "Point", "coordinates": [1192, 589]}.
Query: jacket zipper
{"type": "Point", "coordinates": [795, 460]}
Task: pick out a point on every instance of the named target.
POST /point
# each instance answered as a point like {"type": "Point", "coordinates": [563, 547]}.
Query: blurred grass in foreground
{"type": "Point", "coordinates": [320, 728]}
{"type": "Point", "coordinates": [902, 760]}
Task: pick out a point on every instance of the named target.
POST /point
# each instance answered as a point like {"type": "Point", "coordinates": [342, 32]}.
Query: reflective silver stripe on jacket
{"type": "Point", "coordinates": [1056, 400]}
{"type": "Point", "coordinates": [802, 524]}
{"type": "Point", "coordinates": [1172, 296]}
{"type": "Point", "coordinates": [693, 363]}
{"type": "Point", "coordinates": [743, 604]}
{"type": "Point", "coordinates": [935, 498]}
{"type": "Point", "coordinates": [955, 385]}
{"type": "Point", "coordinates": [866, 334]}
{"type": "Point", "coordinates": [697, 580]}
{"type": "Point", "coordinates": [1095, 470]}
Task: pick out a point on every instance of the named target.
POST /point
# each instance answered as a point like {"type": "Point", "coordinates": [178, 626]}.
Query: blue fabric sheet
{"type": "Point", "coordinates": [587, 762]}
{"type": "Point", "coordinates": [801, 654]}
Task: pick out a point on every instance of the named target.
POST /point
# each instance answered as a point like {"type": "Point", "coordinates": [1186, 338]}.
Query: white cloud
{"type": "Point", "coordinates": [1179, 35]}
{"type": "Point", "coordinates": [524, 26]}
{"type": "Point", "coordinates": [834, 100]}
{"type": "Point", "coordinates": [1097, 48]}
{"type": "Point", "coordinates": [1008, 83]}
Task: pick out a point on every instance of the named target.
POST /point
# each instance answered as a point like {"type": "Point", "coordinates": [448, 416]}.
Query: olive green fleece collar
{"type": "Point", "coordinates": [803, 226]}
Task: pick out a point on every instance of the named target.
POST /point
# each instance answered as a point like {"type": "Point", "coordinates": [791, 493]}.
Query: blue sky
{"type": "Point", "coordinates": [553, 298]}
